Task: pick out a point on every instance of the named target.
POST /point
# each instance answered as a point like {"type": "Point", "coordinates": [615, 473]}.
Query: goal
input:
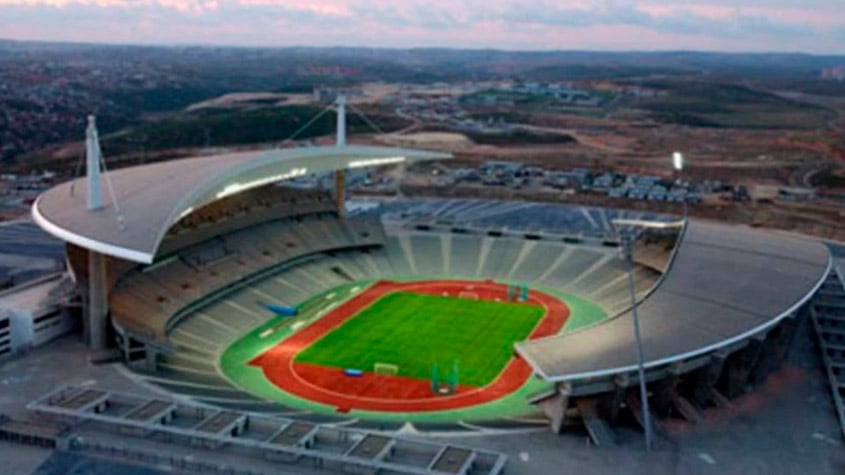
{"type": "Point", "coordinates": [468, 295]}
{"type": "Point", "coordinates": [386, 369]}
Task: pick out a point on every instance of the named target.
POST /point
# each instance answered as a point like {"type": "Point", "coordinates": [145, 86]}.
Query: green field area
{"type": "Point", "coordinates": [415, 331]}
{"type": "Point", "coordinates": [235, 363]}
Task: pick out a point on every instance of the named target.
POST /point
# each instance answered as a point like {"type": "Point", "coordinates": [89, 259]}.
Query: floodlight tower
{"type": "Point", "coordinates": [678, 164]}
{"type": "Point", "coordinates": [340, 175]}
{"type": "Point", "coordinates": [628, 239]}
{"type": "Point", "coordinates": [628, 255]}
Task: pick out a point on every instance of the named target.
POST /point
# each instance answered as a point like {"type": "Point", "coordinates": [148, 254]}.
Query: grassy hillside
{"type": "Point", "coordinates": [234, 128]}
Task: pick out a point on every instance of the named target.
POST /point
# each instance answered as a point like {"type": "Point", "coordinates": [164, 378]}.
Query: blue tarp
{"type": "Point", "coordinates": [280, 310]}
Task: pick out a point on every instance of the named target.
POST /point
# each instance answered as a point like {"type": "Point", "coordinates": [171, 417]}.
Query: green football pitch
{"type": "Point", "coordinates": [416, 331]}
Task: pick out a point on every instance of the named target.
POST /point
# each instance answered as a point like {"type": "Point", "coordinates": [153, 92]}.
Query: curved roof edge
{"type": "Point", "coordinates": [554, 358]}
{"type": "Point", "coordinates": [88, 243]}
{"type": "Point", "coordinates": [151, 198]}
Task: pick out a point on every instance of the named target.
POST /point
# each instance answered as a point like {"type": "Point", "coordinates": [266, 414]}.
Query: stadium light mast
{"type": "Point", "coordinates": [678, 164]}
{"type": "Point", "coordinates": [628, 254]}
{"type": "Point", "coordinates": [340, 175]}
{"type": "Point", "coordinates": [628, 250]}
{"type": "Point", "coordinates": [92, 165]}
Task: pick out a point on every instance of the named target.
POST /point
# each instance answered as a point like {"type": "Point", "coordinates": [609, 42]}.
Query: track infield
{"type": "Point", "coordinates": [420, 333]}
{"type": "Point", "coordinates": [413, 325]}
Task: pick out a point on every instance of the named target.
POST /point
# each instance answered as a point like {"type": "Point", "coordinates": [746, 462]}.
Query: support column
{"type": "Point", "coordinates": [96, 322]}
{"type": "Point", "coordinates": [600, 431]}
{"type": "Point", "coordinates": [555, 407]}
{"type": "Point", "coordinates": [789, 328]}
{"type": "Point", "coordinates": [774, 350]}
{"type": "Point", "coordinates": [740, 365]}
{"type": "Point", "coordinates": [664, 391]}
{"type": "Point", "coordinates": [705, 380]}
{"type": "Point", "coordinates": [610, 405]}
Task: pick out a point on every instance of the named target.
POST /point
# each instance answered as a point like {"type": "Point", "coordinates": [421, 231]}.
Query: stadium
{"type": "Point", "coordinates": [226, 283]}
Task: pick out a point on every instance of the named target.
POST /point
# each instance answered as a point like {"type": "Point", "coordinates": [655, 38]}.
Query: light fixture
{"type": "Point", "coordinates": [678, 161]}
{"type": "Point", "coordinates": [239, 187]}
{"type": "Point", "coordinates": [374, 162]}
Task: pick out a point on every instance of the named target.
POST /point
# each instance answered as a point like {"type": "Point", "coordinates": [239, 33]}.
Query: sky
{"type": "Point", "coordinates": [812, 26]}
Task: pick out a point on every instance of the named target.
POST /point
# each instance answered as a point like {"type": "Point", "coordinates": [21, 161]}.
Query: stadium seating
{"type": "Point", "coordinates": [535, 259]}
{"type": "Point", "coordinates": [203, 298]}
{"type": "Point", "coordinates": [398, 254]}
{"type": "Point", "coordinates": [253, 203]}
{"type": "Point", "coordinates": [145, 300]}
{"type": "Point", "coordinates": [529, 217]}
{"type": "Point", "coordinates": [464, 256]}
{"type": "Point", "coordinates": [594, 273]}
{"type": "Point", "coordinates": [243, 210]}
{"type": "Point", "coordinates": [500, 258]}
{"type": "Point", "coordinates": [427, 254]}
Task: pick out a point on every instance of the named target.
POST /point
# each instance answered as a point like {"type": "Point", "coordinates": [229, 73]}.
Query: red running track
{"type": "Point", "coordinates": [373, 392]}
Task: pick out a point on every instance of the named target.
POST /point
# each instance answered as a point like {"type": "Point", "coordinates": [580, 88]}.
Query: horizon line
{"type": "Point", "coordinates": [424, 48]}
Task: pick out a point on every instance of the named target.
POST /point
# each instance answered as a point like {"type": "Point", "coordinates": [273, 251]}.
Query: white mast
{"type": "Point", "coordinates": [340, 175]}
{"type": "Point", "coordinates": [341, 120]}
{"type": "Point", "coordinates": [92, 152]}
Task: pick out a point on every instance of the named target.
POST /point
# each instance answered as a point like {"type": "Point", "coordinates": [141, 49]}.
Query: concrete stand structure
{"type": "Point", "coordinates": [96, 319]}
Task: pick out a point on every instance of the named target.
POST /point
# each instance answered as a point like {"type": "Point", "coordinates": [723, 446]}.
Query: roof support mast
{"type": "Point", "coordinates": [92, 165]}
{"type": "Point", "coordinates": [341, 120]}
{"type": "Point", "coordinates": [96, 321]}
{"type": "Point", "coordinates": [340, 175]}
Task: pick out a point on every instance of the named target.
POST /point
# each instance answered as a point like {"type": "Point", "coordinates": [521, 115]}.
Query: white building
{"type": "Point", "coordinates": [34, 313]}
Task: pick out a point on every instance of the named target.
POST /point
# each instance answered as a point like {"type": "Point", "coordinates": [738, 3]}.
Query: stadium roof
{"type": "Point", "coordinates": [151, 198]}
{"type": "Point", "coordinates": [725, 284]}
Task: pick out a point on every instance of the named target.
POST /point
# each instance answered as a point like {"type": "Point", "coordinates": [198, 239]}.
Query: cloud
{"type": "Point", "coordinates": [627, 24]}
{"type": "Point", "coordinates": [676, 20]}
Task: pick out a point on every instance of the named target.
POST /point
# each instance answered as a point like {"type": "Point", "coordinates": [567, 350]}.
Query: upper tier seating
{"type": "Point", "coordinates": [514, 215]}
{"type": "Point", "coordinates": [242, 210]}
{"type": "Point", "coordinates": [144, 301]}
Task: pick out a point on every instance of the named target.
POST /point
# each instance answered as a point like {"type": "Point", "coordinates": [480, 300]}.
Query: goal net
{"type": "Point", "coordinates": [386, 369]}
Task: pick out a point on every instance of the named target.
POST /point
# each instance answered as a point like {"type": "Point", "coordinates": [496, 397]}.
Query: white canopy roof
{"type": "Point", "coordinates": [151, 198]}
